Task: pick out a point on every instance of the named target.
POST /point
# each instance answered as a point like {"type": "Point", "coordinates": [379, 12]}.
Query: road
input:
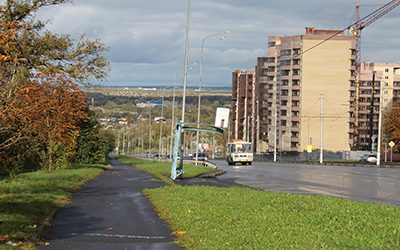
{"type": "Point", "coordinates": [370, 184]}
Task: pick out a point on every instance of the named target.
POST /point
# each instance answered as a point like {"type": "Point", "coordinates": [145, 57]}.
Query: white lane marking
{"type": "Point", "coordinates": [122, 236]}
{"type": "Point", "coordinates": [367, 180]}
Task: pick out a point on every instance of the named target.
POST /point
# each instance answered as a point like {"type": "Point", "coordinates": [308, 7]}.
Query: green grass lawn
{"type": "Point", "coordinates": [27, 200]}
{"type": "Point", "coordinates": [243, 218]}
{"type": "Point", "coordinates": [162, 169]}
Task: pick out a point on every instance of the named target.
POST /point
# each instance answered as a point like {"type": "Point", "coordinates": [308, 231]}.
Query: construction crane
{"type": "Point", "coordinates": [355, 29]}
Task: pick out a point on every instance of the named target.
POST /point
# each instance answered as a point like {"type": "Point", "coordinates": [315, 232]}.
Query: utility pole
{"type": "Point", "coordinates": [276, 130]}
{"type": "Point", "coordinates": [378, 155]}
{"type": "Point", "coordinates": [371, 114]}
{"type": "Point", "coordinates": [142, 137]}
{"type": "Point", "coordinates": [321, 152]}
{"type": "Point", "coordinates": [161, 122]}
{"type": "Point", "coordinates": [149, 132]}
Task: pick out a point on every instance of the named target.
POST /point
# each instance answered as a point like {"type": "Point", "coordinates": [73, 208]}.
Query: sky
{"type": "Point", "coordinates": [146, 38]}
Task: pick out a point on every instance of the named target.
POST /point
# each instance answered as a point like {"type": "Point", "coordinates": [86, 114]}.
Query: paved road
{"type": "Point", "coordinates": [111, 213]}
{"type": "Point", "coordinates": [358, 183]}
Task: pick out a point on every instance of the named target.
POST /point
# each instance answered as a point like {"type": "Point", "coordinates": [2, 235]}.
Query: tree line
{"type": "Point", "coordinates": [45, 122]}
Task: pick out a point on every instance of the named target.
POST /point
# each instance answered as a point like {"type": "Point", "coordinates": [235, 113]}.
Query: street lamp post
{"type": "Point", "coordinates": [221, 34]}
{"type": "Point", "coordinates": [186, 59]}
{"type": "Point", "coordinates": [161, 122]}
{"type": "Point", "coordinates": [173, 110]}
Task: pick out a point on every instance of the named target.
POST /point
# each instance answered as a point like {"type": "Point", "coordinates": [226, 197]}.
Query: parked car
{"type": "Point", "coordinates": [371, 158]}
{"type": "Point", "coordinates": [202, 157]}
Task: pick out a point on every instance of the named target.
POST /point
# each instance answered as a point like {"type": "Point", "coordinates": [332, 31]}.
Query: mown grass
{"type": "Point", "coordinates": [161, 169]}
{"type": "Point", "coordinates": [242, 218]}
{"type": "Point", "coordinates": [29, 198]}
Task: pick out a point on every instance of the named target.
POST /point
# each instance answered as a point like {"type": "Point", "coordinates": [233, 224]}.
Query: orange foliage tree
{"type": "Point", "coordinates": [40, 103]}
{"type": "Point", "coordinates": [391, 126]}
{"type": "Point", "coordinates": [46, 113]}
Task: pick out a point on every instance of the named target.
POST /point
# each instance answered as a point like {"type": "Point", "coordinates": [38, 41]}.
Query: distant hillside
{"type": "Point", "coordinates": [101, 96]}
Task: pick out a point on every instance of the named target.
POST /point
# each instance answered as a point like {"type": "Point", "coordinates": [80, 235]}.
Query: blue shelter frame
{"type": "Point", "coordinates": [181, 127]}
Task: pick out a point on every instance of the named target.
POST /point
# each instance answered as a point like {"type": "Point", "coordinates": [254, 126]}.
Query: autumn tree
{"type": "Point", "coordinates": [39, 74]}
{"type": "Point", "coordinates": [48, 115]}
{"type": "Point", "coordinates": [391, 126]}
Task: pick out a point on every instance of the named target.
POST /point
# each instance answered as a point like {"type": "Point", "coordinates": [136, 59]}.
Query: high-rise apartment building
{"type": "Point", "coordinates": [244, 106]}
{"type": "Point", "coordinates": [309, 76]}
{"type": "Point", "coordinates": [365, 99]}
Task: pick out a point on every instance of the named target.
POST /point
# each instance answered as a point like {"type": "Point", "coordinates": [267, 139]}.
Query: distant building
{"type": "Point", "coordinates": [244, 106]}
{"type": "Point", "coordinates": [297, 75]}
{"type": "Point", "coordinates": [364, 130]}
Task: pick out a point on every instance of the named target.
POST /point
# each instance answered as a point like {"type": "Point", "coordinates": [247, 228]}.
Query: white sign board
{"type": "Point", "coordinates": [391, 144]}
{"type": "Point", "coordinates": [222, 118]}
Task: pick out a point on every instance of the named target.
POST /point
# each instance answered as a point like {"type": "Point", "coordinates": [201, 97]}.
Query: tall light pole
{"type": "Point", "coordinates": [378, 155]}
{"type": "Point", "coordinates": [173, 112]}
{"type": "Point", "coordinates": [172, 118]}
{"type": "Point", "coordinates": [161, 122]}
{"type": "Point", "coordinates": [186, 60]}
{"type": "Point", "coordinates": [150, 133]}
{"type": "Point", "coordinates": [321, 151]}
{"type": "Point", "coordinates": [221, 35]}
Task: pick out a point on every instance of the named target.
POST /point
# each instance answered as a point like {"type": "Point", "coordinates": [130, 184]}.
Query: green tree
{"type": "Point", "coordinates": [90, 145]}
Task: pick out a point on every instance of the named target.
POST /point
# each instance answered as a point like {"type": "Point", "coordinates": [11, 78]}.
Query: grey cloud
{"type": "Point", "coordinates": [146, 38]}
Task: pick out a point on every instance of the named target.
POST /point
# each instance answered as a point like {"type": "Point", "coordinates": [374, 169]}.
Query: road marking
{"type": "Point", "coordinates": [367, 180]}
{"type": "Point", "coordinates": [121, 236]}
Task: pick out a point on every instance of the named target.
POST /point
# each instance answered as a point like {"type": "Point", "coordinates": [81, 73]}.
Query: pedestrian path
{"type": "Point", "coordinates": [110, 212]}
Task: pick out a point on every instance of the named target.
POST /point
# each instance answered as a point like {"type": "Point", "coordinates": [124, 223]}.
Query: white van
{"type": "Point", "coordinates": [239, 152]}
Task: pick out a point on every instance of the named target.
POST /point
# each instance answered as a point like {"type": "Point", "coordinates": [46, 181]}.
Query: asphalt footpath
{"type": "Point", "coordinates": [110, 212]}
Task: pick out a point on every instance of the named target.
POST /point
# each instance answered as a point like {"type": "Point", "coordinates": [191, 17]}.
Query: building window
{"type": "Point", "coordinates": [386, 77]}
{"type": "Point", "coordinates": [295, 93]}
{"type": "Point", "coordinates": [285, 72]}
{"type": "Point", "coordinates": [271, 44]}
{"type": "Point", "coordinates": [286, 52]}
{"type": "Point", "coordinates": [296, 82]}
{"type": "Point", "coordinates": [283, 103]}
{"type": "Point", "coordinates": [385, 92]}
{"type": "Point", "coordinates": [296, 72]}
{"type": "Point", "coordinates": [283, 112]}
{"type": "Point", "coordinates": [386, 70]}
{"type": "Point", "coordinates": [285, 62]}
{"type": "Point", "coordinates": [296, 51]}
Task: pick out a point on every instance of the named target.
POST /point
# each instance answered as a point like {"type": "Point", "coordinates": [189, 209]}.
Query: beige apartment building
{"type": "Point", "coordinates": [365, 99]}
{"type": "Point", "coordinates": [304, 73]}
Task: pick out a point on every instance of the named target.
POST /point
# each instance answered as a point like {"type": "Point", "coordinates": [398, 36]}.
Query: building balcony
{"type": "Point", "coordinates": [296, 97]}
{"type": "Point", "coordinates": [284, 98]}
{"type": "Point", "coordinates": [296, 87]}
{"type": "Point", "coordinates": [295, 118]}
{"type": "Point", "coordinates": [296, 66]}
{"type": "Point", "coordinates": [295, 139]}
{"type": "Point", "coordinates": [296, 76]}
{"type": "Point", "coordinates": [295, 108]}
{"type": "Point", "coordinates": [295, 129]}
